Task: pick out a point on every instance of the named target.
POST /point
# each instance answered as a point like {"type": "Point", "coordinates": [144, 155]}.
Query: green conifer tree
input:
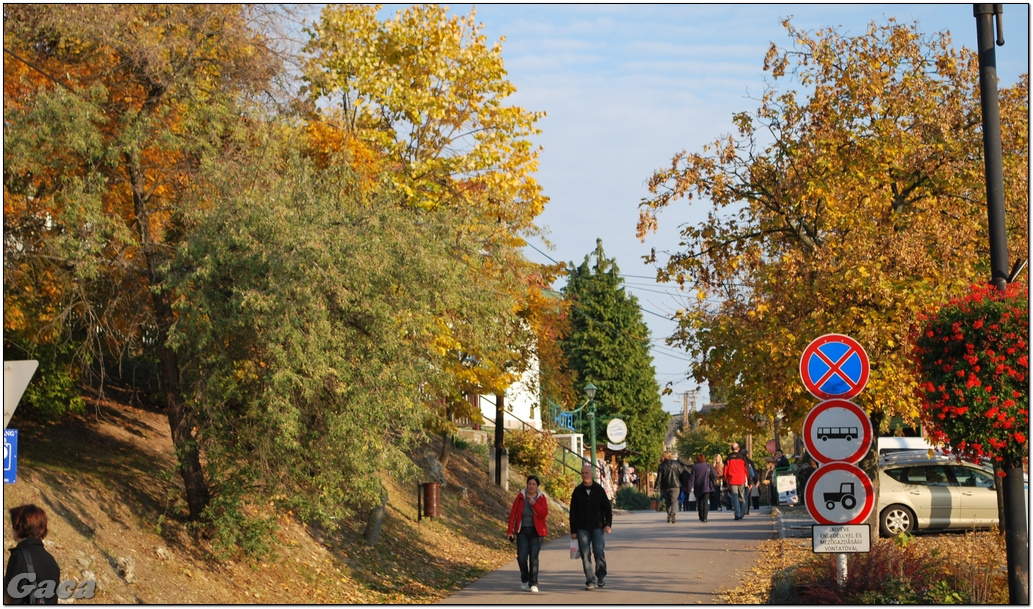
{"type": "Point", "coordinates": [609, 347]}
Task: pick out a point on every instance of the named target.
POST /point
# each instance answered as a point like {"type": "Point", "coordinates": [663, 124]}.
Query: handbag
{"type": "Point", "coordinates": [575, 550]}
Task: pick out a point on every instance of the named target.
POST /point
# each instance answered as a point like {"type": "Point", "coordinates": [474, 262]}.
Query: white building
{"type": "Point", "coordinates": [522, 403]}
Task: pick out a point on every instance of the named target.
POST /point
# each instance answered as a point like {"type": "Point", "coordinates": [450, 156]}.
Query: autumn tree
{"type": "Point", "coordinates": [609, 347]}
{"type": "Point", "coordinates": [108, 110]}
{"type": "Point", "coordinates": [309, 308]}
{"type": "Point", "coordinates": [847, 205]}
{"type": "Point", "coordinates": [425, 92]}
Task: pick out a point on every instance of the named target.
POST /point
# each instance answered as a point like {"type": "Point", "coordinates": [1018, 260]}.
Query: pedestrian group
{"type": "Point", "coordinates": [591, 516]}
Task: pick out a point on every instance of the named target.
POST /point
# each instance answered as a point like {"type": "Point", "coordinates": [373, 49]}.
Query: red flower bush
{"type": "Point", "coordinates": [972, 358]}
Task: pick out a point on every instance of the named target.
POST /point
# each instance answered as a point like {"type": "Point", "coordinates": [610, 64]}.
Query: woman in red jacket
{"type": "Point", "coordinates": [527, 525]}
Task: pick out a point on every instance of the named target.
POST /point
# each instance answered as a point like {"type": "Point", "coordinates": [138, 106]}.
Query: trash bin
{"type": "Point", "coordinates": [432, 499]}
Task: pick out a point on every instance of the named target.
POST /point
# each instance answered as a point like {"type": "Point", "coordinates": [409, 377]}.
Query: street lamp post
{"type": "Point", "coordinates": [590, 390]}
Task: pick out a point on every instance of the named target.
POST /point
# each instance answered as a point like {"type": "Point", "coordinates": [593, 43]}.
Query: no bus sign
{"type": "Point", "coordinates": [834, 366]}
{"type": "Point", "coordinates": [837, 430]}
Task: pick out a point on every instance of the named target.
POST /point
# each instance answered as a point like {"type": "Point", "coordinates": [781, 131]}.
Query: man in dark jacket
{"type": "Point", "coordinates": [668, 478]}
{"type": "Point", "coordinates": [590, 518]}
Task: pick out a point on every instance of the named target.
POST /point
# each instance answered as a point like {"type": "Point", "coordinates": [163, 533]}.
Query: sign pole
{"type": "Point", "coordinates": [841, 569]}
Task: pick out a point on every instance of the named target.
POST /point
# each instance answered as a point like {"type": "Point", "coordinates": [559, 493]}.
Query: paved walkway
{"type": "Point", "coordinates": [650, 562]}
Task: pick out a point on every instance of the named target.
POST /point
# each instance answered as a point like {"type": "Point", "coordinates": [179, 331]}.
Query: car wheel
{"type": "Point", "coordinates": [896, 519]}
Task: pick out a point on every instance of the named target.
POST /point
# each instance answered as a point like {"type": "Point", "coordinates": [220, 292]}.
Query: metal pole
{"type": "Point", "coordinates": [992, 162]}
{"type": "Point", "coordinates": [1016, 535]}
{"type": "Point", "coordinates": [841, 569]}
{"type": "Point", "coordinates": [591, 422]}
{"type": "Point", "coordinates": [500, 438]}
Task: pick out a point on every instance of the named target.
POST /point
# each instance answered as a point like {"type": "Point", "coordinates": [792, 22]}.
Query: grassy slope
{"type": "Point", "coordinates": [105, 480]}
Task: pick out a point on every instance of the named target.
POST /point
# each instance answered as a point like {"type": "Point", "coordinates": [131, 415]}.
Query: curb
{"type": "Point", "coordinates": [793, 522]}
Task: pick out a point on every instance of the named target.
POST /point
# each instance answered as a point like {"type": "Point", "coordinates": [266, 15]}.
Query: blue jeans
{"type": "Point", "coordinates": [529, 544]}
{"type": "Point", "coordinates": [595, 538]}
{"type": "Point", "coordinates": [736, 496]}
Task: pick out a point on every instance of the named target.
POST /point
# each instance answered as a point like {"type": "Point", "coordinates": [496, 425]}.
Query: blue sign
{"type": "Point", "coordinates": [10, 455]}
{"type": "Point", "coordinates": [834, 366]}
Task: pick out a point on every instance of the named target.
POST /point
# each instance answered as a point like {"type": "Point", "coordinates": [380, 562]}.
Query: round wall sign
{"type": "Point", "coordinates": [616, 430]}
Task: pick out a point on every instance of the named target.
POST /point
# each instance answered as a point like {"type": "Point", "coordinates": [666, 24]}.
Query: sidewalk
{"type": "Point", "coordinates": [650, 562]}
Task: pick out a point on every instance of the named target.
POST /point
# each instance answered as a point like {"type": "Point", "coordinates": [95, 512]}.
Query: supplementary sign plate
{"type": "Point", "coordinates": [841, 538]}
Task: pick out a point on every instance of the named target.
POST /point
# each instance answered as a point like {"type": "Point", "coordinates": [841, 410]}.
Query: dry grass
{"type": "Point", "coordinates": [105, 480]}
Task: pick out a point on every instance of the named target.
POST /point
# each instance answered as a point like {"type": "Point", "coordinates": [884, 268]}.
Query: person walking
{"type": "Point", "coordinates": [751, 483]}
{"type": "Point", "coordinates": [685, 481]}
{"type": "Point", "coordinates": [719, 470]}
{"type": "Point", "coordinates": [29, 523]}
{"type": "Point", "coordinates": [735, 476]}
{"type": "Point", "coordinates": [702, 479]}
{"type": "Point", "coordinates": [805, 473]}
{"type": "Point", "coordinates": [527, 526]}
{"type": "Point", "coordinates": [590, 518]}
{"type": "Point", "coordinates": [667, 476]}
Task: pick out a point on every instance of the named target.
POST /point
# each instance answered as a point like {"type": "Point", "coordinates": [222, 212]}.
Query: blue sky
{"type": "Point", "coordinates": [626, 86]}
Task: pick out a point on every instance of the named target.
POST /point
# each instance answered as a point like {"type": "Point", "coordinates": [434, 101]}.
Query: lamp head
{"type": "Point", "coordinates": [590, 390]}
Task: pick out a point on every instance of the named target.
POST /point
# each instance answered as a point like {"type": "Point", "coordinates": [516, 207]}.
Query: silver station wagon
{"type": "Point", "coordinates": [919, 492]}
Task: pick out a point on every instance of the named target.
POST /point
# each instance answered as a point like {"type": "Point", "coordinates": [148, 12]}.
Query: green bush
{"type": "Point", "coordinates": [629, 498]}
{"type": "Point", "coordinates": [53, 391]}
{"type": "Point", "coordinates": [562, 475]}
{"type": "Point", "coordinates": [533, 450]}
{"type": "Point", "coordinates": [234, 532]}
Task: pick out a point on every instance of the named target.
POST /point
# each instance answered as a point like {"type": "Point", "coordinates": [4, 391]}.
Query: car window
{"type": "Point", "coordinates": [897, 473]}
{"type": "Point", "coordinates": [972, 477]}
{"type": "Point", "coordinates": [935, 475]}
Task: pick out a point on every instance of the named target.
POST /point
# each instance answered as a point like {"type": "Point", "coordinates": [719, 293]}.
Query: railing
{"type": "Point", "coordinates": [524, 426]}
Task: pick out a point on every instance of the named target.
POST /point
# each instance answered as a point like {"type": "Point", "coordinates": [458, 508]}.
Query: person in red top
{"type": "Point", "coordinates": [527, 526]}
{"type": "Point", "coordinates": [736, 475]}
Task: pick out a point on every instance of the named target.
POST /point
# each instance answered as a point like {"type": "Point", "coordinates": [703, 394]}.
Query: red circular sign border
{"type": "Point", "coordinates": [850, 342]}
{"type": "Point", "coordinates": [866, 423]}
{"type": "Point", "coordinates": [866, 482]}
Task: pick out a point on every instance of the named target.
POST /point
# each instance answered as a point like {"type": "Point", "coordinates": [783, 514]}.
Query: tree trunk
{"type": "Point", "coordinates": [181, 418]}
{"type": "Point", "coordinates": [869, 464]}
{"type": "Point", "coordinates": [375, 521]}
{"type": "Point", "coordinates": [446, 449]}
